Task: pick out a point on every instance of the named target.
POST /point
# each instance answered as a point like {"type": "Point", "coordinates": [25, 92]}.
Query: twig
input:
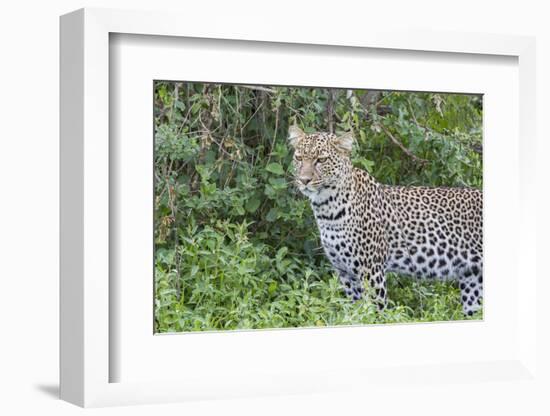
{"type": "Point", "coordinates": [402, 147]}
{"type": "Point", "coordinates": [330, 111]}
{"type": "Point", "coordinates": [421, 127]}
{"type": "Point", "coordinates": [221, 147]}
{"type": "Point", "coordinates": [175, 95]}
{"type": "Point", "coordinates": [251, 117]}
{"type": "Point", "coordinates": [274, 136]}
{"type": "Point", "coordinates": [205, 119]}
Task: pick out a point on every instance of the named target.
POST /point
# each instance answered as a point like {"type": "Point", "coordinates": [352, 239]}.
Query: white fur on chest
{"type": "Point", "coordinates": [332, 215]}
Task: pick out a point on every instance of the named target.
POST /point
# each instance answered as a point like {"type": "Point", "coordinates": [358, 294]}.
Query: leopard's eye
{"type": "Point", "coordinates": [322, 159]}
{"type": "Point", "coordinates": [298, 157]}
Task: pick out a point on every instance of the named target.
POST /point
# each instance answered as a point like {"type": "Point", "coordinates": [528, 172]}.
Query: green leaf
{"type": "Point", "coordinates": [271, 215]}
{"type": "Point", "coordinates": [272, 287]}
{"type": "Point", "coordinates": [275, 168]}
{"type": "Point", "coordinates": [366, 164]}
{"type": "Point", "coordinates": [278, 183]}
{"type": "Point", "coordinates": [239, 209]}
{"type": "Point", "coordinates": [281, 253]}
{"type": "Point", "coordinates": [253, 204]}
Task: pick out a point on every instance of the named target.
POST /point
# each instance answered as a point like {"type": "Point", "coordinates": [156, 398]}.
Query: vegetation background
{"type": "Point", "coordinates": [237, 247]}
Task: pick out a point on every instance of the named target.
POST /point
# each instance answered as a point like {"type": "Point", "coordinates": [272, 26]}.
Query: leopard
{"type": "Point", "coordinates": [369, 229]}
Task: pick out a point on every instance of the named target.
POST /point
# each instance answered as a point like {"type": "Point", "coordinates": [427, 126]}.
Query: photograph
{"type": "Point", "coordinates": [299, 206]}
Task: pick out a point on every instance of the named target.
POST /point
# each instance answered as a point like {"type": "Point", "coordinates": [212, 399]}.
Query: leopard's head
{"type": "Point", "coordinates": [320, 160]}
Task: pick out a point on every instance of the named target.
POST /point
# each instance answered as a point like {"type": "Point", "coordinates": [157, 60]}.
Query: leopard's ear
{"type": "Point", "coordinates": [295, 134]}
{"type": "Point", "coordinates": [344, 142]}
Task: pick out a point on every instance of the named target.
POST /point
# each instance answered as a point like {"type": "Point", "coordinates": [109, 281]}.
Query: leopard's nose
{"type": "Point", "coordinates": [305, 180]}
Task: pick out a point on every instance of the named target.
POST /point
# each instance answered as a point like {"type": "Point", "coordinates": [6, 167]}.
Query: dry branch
{"type": "Point", "coordinates": [259, 88]}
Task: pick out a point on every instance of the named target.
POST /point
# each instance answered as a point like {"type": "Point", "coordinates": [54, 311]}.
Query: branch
{"type": "Point", "coordinates": [373, 97]}
{"type": "Point", "coordinates": [402, 147]}
{"type": "Point", "coordinates": [259, 88]}
{"type": "Point", "coordinates": [426, 129]}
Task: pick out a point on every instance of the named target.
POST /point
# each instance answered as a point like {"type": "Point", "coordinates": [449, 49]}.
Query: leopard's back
{"type": "Point", "coordinates": [433, 232]}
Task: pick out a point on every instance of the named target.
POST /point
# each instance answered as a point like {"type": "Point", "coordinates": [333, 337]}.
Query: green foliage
{"type": "Point", "coordinates": [238, 247]}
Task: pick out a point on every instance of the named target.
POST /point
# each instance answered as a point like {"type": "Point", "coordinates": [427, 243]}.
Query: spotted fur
{"type": "Point", "coordinates": [368, 229]}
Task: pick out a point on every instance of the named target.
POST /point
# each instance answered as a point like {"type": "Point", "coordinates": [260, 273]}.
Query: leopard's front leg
{"type": "Point", "coordinates": [372, 264]}
{"type": "Point", "coordinates": [375, 277]}
{"type": "Point", "coordinates": [354, 284]}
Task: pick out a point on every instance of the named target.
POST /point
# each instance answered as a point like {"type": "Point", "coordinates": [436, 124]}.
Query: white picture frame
{"type": "Point", "coordinates": [86, 353]}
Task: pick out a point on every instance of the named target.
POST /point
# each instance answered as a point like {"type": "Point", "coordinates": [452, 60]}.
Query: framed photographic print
{"type": "Point", "coordinates": [273, 213]}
